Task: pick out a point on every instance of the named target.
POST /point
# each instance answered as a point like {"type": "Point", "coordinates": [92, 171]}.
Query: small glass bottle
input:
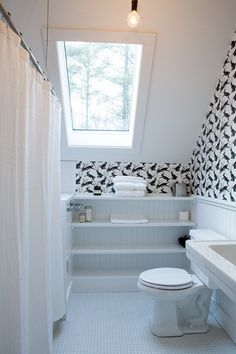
{"type": "Point", "coordinates": [88, 213]}
{"type": "Point", "coordinates": [97, 190]}
{"type": "Point", "coordinates": [81, 217]}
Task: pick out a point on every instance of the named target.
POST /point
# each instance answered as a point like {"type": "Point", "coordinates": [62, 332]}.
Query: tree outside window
{"type": "Point", "coordinates": [101, 78]}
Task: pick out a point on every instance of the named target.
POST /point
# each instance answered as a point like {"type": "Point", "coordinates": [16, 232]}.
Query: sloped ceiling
{"type": "Point", "coordinates": [192, 42]}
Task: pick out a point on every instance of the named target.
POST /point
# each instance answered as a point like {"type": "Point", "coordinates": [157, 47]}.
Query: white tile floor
{"type": "Point", "coordinates": [117, 323]}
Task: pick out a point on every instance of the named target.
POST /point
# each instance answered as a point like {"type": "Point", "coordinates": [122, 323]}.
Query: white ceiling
{"type": "Point", "coordinates": [192, 41]}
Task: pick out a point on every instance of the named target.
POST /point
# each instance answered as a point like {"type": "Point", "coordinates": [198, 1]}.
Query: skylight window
{"type": "Point", "coordinates": [102, 81]}
{"type": "Point", "coordinates": [105, 79]}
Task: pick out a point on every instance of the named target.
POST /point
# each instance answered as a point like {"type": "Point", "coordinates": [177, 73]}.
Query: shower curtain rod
{"type": "Point", "coordinates": [7, 16]}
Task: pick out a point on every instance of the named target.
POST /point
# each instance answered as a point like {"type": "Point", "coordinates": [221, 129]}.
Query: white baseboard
{"type": "Point", "coordinates": [97, 284]}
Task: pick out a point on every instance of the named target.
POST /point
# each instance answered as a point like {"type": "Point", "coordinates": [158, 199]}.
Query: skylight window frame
{"type": "Point", "coordinates": [127, 140]}
{"type": "Point", "coordinates": [135, 83]}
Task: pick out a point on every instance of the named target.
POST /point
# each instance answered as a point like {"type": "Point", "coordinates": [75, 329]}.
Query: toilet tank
{"type": "Point", "coordinates": [205, 235]}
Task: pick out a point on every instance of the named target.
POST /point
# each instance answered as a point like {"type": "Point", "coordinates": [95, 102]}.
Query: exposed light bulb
{"type": "Point", "coordinates": [133, 19]}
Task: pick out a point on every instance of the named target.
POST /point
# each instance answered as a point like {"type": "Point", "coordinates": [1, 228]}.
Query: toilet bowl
{"type": "Point", "coordinates": [181, 300]}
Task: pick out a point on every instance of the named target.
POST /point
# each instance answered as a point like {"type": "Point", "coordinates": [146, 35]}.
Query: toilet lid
{"type": "Point", "coordinates": [166, 278]}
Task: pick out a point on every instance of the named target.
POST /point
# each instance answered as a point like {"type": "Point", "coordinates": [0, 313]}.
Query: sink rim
{"type": "Point", "coordinates": [217, 268]}
{"type": "Point", "coordinates": [203, 249]}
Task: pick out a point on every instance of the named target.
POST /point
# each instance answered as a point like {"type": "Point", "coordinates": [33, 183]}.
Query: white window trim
{"type": "Point", "coordinates": [147, 40]}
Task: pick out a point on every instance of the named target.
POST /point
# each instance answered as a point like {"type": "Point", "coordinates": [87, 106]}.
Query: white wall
{"type": "Point", "coordinates": [193, 38]}
{"type": "Point", "coordinates": [68, 176]}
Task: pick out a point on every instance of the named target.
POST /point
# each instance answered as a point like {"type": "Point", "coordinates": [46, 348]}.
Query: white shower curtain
{"type": "Point", "coordinates": [29, 190]}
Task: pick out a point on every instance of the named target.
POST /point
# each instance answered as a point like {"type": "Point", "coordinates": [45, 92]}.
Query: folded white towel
{"type": "Point", "coordinates": [129, 219]}
{"type": "Point", "coordinates": [132, 179]}
{"type": "Point", "coordinates": [131, 186]}
{"type": "Point", "coordinates": [129, 193]}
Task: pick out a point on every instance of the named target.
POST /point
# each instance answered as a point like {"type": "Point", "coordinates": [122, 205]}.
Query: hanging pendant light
{"type": "Point", "coordinates": [133, 18]}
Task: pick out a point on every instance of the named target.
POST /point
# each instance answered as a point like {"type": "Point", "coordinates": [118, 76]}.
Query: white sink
{"type": "Point", "coordinates": [226, 251]}
{"type": "Point", "coordinates": [214, 262]}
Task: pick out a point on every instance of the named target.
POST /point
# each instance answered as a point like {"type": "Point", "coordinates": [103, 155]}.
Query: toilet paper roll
{"type": "Point", "coordinates": [184, 215]}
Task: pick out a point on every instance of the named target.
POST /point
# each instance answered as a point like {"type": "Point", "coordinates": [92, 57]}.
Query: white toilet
{"type": "Point", "coordinates": [181, 300]}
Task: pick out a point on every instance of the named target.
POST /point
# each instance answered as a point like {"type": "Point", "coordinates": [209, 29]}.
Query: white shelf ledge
{"type": "Point", "coordinates": [150, 223]}
{"type": "Point", "coordinates": [111, 196]}
{"type": "Point", "coordinates": [127, 249]}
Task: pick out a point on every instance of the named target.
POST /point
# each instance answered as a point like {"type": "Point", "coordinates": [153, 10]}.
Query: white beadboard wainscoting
{"type": "Point", "coordinates": [107, 256]}
{"type": "Point", "coordinates": [217, 215]}
{"type": "Point", "coordinates": [220, 216]}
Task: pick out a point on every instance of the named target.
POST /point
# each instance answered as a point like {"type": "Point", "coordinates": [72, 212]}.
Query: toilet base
{"type": "Point", "coordinates": [176, 332]}
{"type": "Point", "coordinates": [175, 318]}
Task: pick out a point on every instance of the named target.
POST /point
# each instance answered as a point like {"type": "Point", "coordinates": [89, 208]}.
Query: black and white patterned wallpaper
{"type": "Point", "coordinates": [213, 163]}
{"type": "Point", "coordinates": [160, 177]}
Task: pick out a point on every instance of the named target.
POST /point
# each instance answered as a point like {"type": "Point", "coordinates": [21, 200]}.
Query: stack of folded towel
{"type": "Point", "coordinates": [129, 186]}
